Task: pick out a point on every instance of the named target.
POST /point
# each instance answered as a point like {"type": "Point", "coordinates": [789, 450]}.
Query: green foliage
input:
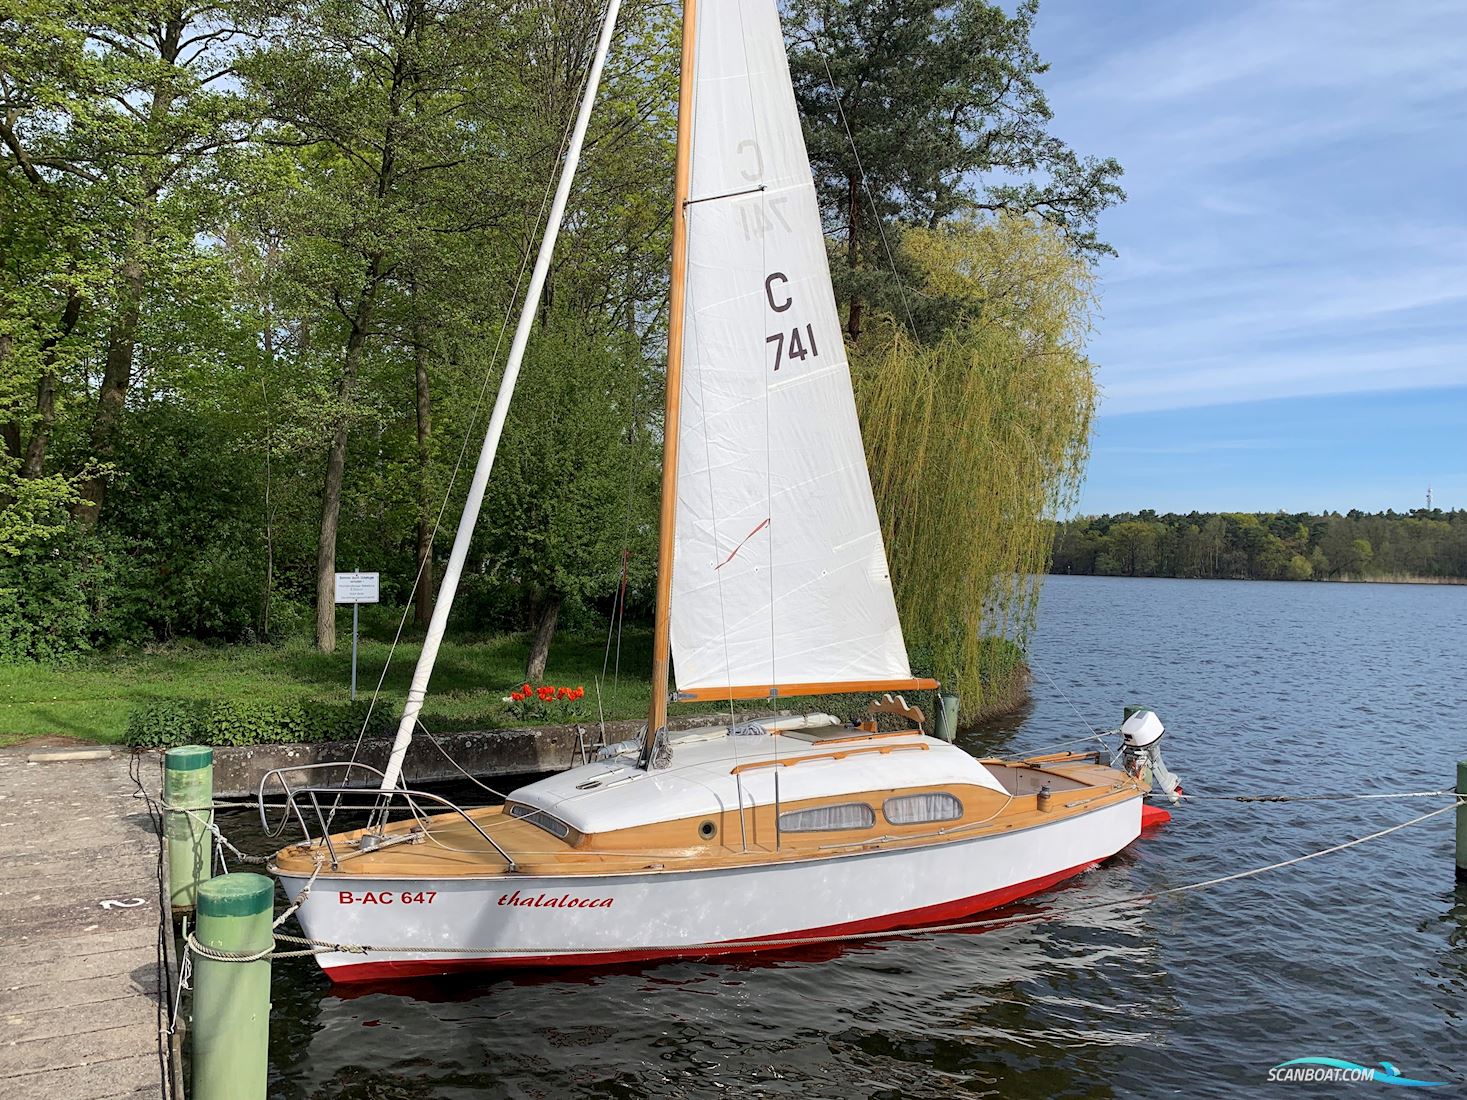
{"type": "Point", "coordinates": [1266, 545]}
{"type": "Point", "coordinates": [974, 442]}
{"type": "Point", "coordinates": [164, 724]}
{"type": "Point", "coordinates": [576, 484]}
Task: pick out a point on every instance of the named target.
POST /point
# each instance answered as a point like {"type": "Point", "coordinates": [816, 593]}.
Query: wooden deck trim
{"type": "Point", "coordinates": [850, 738]}
{"type": "Point", "coordinates": [781, 691]}
{"type": "Point", "coordinates": [793, 760]}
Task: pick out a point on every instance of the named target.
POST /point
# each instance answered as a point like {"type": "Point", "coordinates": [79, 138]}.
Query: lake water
{"type": "Point", "coordinates": [1265, 687]}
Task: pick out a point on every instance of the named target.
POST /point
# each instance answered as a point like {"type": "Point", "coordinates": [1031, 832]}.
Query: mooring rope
{"type": "Point", "coordinates": [317, 947]}
{"type": "Point", "coordinates": [1314, 797]}
{"type": "Point", "coordinates": [162, 804]}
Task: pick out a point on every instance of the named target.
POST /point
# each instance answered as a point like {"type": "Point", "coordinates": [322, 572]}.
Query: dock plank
{"type": "Point", "coordinates": [79, 919]}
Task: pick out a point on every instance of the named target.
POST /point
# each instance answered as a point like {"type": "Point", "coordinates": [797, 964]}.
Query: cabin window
{"type": "Point", "coordinates": [539, 818]}
{"type": "Point", "coordinates": [821, 819]}
{"type": "Point", "coordinates": [921, 809]}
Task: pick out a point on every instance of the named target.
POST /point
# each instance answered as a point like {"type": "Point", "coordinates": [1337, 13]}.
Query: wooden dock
{"type": "Point", "coordinates": [83, 981]}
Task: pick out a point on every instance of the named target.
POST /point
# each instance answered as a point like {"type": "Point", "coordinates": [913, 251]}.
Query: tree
{"type": "Point", "coordinates": [976, 441]}
{"type": "Point", "coordinates": [1133, 547]}
{"type": "Point", "coordinates": [1361, 554]}
{"type": "Point", "coordinates": [944, 103]}
{"type": "Point", "coordinates": [374, 96]}
{"type": "Point", "coordinates": [576, 486]}
{"type": "Point", "coordinates": [112, 116]}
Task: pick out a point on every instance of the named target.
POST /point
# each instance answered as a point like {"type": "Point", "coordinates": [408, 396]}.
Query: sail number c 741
{"type": "Point", "coordinates": [799, 342]}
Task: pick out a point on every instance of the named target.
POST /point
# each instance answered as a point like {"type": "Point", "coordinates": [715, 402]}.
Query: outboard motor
{"type": "Point", "coordinates": [1141, 750]}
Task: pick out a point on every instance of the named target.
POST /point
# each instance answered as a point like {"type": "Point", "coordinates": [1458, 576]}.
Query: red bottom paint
{"type": "Point", "coordinates": [1154, 815]}
{"type": "Point", "coordinates": [912, 918]}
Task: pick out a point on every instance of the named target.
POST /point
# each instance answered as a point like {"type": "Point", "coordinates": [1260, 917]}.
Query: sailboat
{"type": "Point", "coordinates": [772, 584]}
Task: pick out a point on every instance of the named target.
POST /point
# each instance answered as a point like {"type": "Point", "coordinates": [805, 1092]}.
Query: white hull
{"type": "Point", "coordinates": [442, 925]}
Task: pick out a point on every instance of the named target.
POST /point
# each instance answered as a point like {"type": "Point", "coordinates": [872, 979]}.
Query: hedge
{"type": "Point", "coordinates": [164, 724]}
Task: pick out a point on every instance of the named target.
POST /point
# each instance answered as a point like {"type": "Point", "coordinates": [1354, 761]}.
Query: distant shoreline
{"type": "Point", "coordinates": [1384, 579]}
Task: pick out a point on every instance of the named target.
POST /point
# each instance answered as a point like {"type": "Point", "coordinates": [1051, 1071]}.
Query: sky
{"type": "Point", "coordinates": [1285, 327]}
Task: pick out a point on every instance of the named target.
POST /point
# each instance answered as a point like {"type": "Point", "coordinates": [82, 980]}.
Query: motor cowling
{"type": "Point", "coordinates": [1141, 734]}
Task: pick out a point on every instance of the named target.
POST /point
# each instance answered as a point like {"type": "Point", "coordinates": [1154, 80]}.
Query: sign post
{"type": "Point", "coordinates": [355, 589]}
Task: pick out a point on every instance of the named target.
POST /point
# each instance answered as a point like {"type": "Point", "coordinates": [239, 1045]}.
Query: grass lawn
{"type": "Point", "coordinates": [90, 697]}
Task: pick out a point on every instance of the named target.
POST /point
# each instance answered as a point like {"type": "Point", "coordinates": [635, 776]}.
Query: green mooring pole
{"type": "Point", "coordinates": [231, 1031]}
{"type": "Point", "coordinates": [1462, 821]}
{"type": "Point", "coordinates": [188, 784]}
{"type": "Point", "coordinates": [947, 717]}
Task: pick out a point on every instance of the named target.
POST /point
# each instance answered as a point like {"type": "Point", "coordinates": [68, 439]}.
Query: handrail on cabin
{"type": "Point", "coordinates": [790, 763]}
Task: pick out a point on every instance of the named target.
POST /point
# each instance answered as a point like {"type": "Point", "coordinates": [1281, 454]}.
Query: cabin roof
{"type": "Point", "coordinates": [707, 775]}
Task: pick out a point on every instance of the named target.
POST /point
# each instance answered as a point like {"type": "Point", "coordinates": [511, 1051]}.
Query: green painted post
{"type": "Point", "coordinates": [188, 784]}
{"type": "Point", "coordinates": [1462, 820]}
{"type": "Point", "coordinates": [947, 717]}
{"type": "Point", "coordinates": [231, 1032]}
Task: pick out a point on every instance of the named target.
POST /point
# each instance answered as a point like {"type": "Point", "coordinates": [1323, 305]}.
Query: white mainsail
{"type": "Point", "coordinates": [780, 577]}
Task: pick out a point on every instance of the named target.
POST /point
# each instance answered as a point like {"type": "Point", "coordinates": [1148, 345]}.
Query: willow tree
{"type": "Point", "coordinates": [977, 441]}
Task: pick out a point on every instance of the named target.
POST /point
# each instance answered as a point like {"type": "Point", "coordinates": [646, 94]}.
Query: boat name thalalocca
{"type": "Point", "coordinates": [564, 901]}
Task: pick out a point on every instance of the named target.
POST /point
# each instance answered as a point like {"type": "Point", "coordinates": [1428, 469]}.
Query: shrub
{"type": "Point", "coordinates": [164, 724]}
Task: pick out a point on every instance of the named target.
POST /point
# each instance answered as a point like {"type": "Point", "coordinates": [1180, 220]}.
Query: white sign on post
{"type": "Point", "coordinates": [355, 589]}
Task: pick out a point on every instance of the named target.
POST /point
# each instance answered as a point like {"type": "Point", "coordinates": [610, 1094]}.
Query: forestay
{"type": "Point", "coordinates": [780, 577]}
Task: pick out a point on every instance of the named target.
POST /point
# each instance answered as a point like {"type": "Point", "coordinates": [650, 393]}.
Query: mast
{"type": "Point", "coordinates": [454, 570]}
{"type": "Point", "coordinates": [667, 523]}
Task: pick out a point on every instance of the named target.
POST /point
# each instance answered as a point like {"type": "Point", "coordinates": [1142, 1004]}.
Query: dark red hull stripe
{"type": "Point", "coordinates": [911, 918]}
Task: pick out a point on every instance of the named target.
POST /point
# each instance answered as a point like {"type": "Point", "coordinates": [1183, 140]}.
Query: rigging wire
{"type": "Point", "coordinates": [865, 185]}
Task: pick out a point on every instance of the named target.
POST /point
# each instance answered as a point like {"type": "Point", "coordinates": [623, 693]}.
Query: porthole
{"type": "Point", "coordinates": [708, 830]}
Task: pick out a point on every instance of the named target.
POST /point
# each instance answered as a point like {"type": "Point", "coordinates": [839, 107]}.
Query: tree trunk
{"type": "Point", "coordinates": [335, 474]}
{"type": "Point", "coordinates": [116, 378]}
{"type": "Point", "coordinates": [10, 429]}
{"type": "Point", "coordinates": [540, 644]}
{"type": "Point", "coordinates": [33, 456]}
{"type": "Point", "coordinates": [34, 463]}
{"type": "Point", "coordinates": [853, 247]}
{"type": "Point", "coordinates": [268, 342]}
{"type": "Point", "coordinates": [122, 335]}
{"type": "Point", "coordinates": [423, 602]}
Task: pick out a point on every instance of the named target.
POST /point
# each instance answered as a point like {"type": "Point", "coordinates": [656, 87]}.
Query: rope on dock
{"type": "Point", "coordinates": [318, 947]}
